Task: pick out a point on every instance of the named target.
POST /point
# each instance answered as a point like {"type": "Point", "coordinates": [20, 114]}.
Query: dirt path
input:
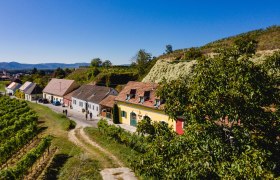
{"type": "Point", "coordinates": [113, 167]}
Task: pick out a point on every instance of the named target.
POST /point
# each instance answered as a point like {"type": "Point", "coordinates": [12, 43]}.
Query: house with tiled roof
{"type": "Point", "coordinates": [11, 89]}
{"type": "Point", "coordinates": [106, 106]}
{"type": "Point", "coordinates": [20, 93]}
{"type": "Point", "coordinates": [88, 97]}
{"type": "Point", "coordinates": [56, 89]}
{"type": "Point", "coordinates": [33, 92]}
{"type": "Point", "coordinates": [138, 100]}
{"type": "Point", "coordinates": [25, 86]}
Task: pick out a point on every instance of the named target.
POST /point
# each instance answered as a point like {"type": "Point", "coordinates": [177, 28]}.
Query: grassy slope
{"type": "Point", "coordinates": [3, 85]}
{"type": "Point", "coordinates": [268, 39]}
{"type": "Point", "coordinates": [169, 68]}
{"type": "Point", "coordinates": [107, 76]}
{"type": "Point", "coordinates": [69, 162]}
{"type": "Point", "coordinates": [123, 152]}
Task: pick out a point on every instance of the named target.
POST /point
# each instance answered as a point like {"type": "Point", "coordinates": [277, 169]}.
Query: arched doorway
{"type": "Point", "coordinates": [133, 121]}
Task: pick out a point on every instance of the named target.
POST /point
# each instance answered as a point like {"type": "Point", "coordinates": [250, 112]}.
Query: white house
{"type": "Point", "coordinates": [88, 97]}
{"type": "Point", "coordinates": [11, 89]}
{"type": "Point", "coordinates": [25, 86]}
{"type": "Point", "coordinates": [33, 92]}
{"type": "Point", "coordinates": [57, 88]}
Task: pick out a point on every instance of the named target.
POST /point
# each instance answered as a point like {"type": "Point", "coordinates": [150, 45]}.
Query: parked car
{"type": "Point", "coordinates": [45, 101]}
{"type": "Point", "coordinates": [56, 103]}
{"type": "Point", "coordinates": [40, 100]}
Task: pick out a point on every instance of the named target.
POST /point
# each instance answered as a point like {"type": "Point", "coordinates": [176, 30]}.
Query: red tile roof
{"type": "Point", "coordinates": [140, 88]}
{"type": "Point", "coordinates": [109, 101]}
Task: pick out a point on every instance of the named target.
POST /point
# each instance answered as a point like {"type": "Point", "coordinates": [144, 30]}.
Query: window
{"type": "Point", "coordinates": [141, 99]}
{"type": "Point", "coordinates": [157, 103]}
{"type": "Point", "coordinates": [74, 102]}
{"type": "Point", "coordinates": [89, 106]}
{"type": "Point", "coordinates": [96, 108]}
{"type": "Point", "coordinates": [123, 114]}
{"type": "Point", "coordinates": [127, 97]}
{"type": "Point", "coordinates": [81, 104]}
{"type": "Point", "coordinates": [93, 107]}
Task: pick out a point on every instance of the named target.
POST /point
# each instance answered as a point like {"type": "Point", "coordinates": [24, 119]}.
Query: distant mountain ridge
{"type": "Point", "coordinates": [19, 66]}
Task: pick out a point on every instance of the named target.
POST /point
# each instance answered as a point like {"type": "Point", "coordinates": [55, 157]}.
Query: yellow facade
{"type": "Point", "coordinates": [141, 111]}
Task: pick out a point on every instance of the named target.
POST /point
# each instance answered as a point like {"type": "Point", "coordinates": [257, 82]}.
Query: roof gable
{"type": "Point", "coordinates": [13, 86]}
{"type": "Point", "coordinates": [59, 87]}
{"type": "Point", "coordinates": [34, 89]}
{"type": "Point", "coordinates": [25, 86]}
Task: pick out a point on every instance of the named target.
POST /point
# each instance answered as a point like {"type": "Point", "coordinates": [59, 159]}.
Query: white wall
{"type": "Point", "coordinates": [55, 98]}
{"type": "Point", "coordinates": [32, 97]}
{"type": "Point", "coordinates": [9, 91]}
{"type": "Point", "coordinates": [76, 104]}
{"type": "Point", "coordinates": [94, 109]}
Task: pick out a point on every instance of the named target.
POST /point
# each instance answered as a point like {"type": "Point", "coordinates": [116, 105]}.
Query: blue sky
{"type": "Point", "coordinates": [39, 31]}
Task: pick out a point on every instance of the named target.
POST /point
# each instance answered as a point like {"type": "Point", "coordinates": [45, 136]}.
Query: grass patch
{"type": "Point", "coordinates": [124, 153]}
{"type": "Point", "coordinates": [104, 160]}
{"type": "Point", "coordinates": [3, 85]}
{"type": "Point", "coordinates": [76, 164]}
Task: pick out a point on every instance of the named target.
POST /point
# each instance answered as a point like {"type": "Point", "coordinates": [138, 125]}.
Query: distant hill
{"type": "Point", "coordinates": [19, 66]}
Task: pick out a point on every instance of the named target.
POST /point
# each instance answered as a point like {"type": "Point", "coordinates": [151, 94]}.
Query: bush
{"type": "Point", "coordinates": [193, 53]}
{"type": "Point", "coordinates": [145, 127]}
{"type": "Point", "coordinates": [133, 141]}
{"type": "Point", "coordinates": [72, 124]}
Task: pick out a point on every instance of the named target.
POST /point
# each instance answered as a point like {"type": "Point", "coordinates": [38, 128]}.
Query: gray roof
{"type": "Point", "coordinates": [34, 89]}
{"type": "Point", "coordinates": [26, 85]}
{"type": "Point", "coordinates": [92, 93]}
{"type": "Point", "coordinates": [14, 86]}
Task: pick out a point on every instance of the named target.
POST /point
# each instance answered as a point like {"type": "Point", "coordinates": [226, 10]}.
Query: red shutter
{"type": "Point", "coordinates": [179, 126]}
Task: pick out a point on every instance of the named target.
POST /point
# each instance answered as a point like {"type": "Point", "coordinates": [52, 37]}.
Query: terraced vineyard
{"type": "Point", "coordinates": [20, 146]}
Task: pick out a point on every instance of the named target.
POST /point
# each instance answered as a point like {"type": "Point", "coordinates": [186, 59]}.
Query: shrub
{"type": "Point", "coordinates": [193, 53]}
{"type": "Point", "coordinates": [116, 118]}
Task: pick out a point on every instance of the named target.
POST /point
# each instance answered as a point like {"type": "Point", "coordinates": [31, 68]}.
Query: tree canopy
{"type": "Point", "coordinates": [106, 63]}
{"type": "Point", "coordinates": [231, 95]}
{"type": "Point", "coordinates": [168, 49]}
{"type": "Point", "coordinates": [141, 61]}
{"type": "Point", "coordinates": [96, 62]}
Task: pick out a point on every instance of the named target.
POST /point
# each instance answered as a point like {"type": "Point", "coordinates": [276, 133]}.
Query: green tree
{"type": "Point", "coordinates": [145, 126]}
{"type": "Point", "coordinates": [41, 73]}
{"type": "Point", "coordinates": [272, 66]}
{"type": "Point", "coordinates": [230, 87]}
{"type": "Point", "coordinates": [34, 71]}
{"type": "Point", "coordinates": [96, 62]}
{"type": "Point", "coordinates": [116, 118]}
{"type": "Point", "coordinates": [246, 45]}
{"type": "Point", "coordinates": [68, 71]}
{"type": "Point", "coordinates": [59, 73]}
{"type": "Point", "coordinates": [106, 63]}
{"type": "Point", "coordinates": [141, 61]}
{"type": "Point", "coordinates": [168, 49]}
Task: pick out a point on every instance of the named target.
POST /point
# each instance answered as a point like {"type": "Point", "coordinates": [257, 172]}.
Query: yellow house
{"type": "Point", "coordinates": [137, 100]}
